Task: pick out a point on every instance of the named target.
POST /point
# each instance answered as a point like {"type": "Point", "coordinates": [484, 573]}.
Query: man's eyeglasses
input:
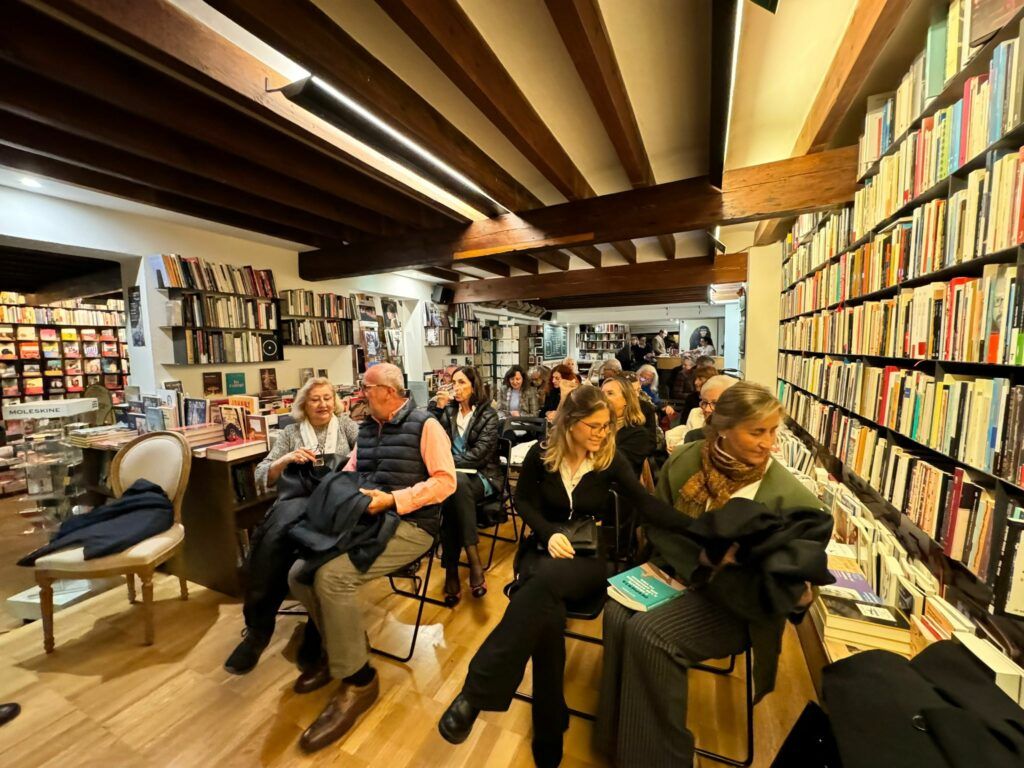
{"type": "Point", "coordinates": [708, 404]}
{"type": "Point", "coordinates": [367, 387]}
{"type": "Point", "coordinates": [598, 429]}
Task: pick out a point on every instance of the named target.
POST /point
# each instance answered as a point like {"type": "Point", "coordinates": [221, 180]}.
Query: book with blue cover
{"type": "Point", "coordinates": [643, 588]}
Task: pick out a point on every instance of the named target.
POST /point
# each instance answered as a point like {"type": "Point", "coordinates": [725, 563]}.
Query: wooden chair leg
{"type": "Point", "coordinates": [130, 580]}
{"type": "Point", "coordinates": [184, 587]}
{"type": "Point", "coordinates": [146, 577]}
{"type": "Point", "coordinates": [46, 608]}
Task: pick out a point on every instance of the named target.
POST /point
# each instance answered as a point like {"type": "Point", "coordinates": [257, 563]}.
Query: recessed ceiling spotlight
{"type": "Point", "coordinates": [28, 181]}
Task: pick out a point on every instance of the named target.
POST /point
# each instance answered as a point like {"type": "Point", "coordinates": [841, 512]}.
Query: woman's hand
{"type": "Point", "coordinates": [442, 399]}
{"type": "Point", "coordinates": [670, 411]}
{"type": "Point", "coordinates": [565, 386]}
{"type": "Point", "coordinates": [550, 415]}
{"type": "Point", "coordinates": [559, 547]}
{"type": "Point", "coordinates": [807, 597]}
{"type": "Point", "coordinates": [298, 456]}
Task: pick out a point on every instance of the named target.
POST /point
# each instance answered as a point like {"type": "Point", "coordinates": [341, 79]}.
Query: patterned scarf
{"type": "Point", "coordinates": [719, 477]}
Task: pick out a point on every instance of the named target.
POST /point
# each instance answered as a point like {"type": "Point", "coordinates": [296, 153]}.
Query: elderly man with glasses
{"type": "Point", "coordinates": [404, 457]}
{"type": "Point", "coordinates": [709, 394]}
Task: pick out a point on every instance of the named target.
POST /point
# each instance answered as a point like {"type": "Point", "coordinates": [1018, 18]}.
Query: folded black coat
{"type": "Point", "coordinates": [142, 511]}
{"type": "Point", "coordinates": [336, 522]}
{"type": "Point", "coordinates": [942, 709]}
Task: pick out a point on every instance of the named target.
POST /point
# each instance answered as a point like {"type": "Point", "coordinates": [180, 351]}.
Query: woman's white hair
{"type": "Point", "coordinates": [648, 368]}
{"type": "Point", "coordinates": [299, 405]}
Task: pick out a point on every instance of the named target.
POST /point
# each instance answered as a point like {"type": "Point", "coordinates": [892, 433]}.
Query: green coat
{"type": "Point", "coordinates": [779, 491]}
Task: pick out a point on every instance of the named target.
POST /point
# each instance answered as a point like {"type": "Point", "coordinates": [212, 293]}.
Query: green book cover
{"type": "Point", "coordinates": [235, 383]}
{"type": "Point", "coordinates": [643, 588]}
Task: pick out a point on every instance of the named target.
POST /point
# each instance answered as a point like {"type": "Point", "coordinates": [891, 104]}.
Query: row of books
{"type": "Point", "coordinates": [59, 316]}
{"type": "Point", "coordinates": [46, 385]}
{"type": "Point", "coordinates": [10, 333]}
{"type": "Point", "coordinates": [803, 226]}
{"type": "Point", "coordinates": [833, 236]}
{"type": "Point", "coordinates": [201, 347]}
{"type": "Point", "coordinates": [194, 273]}
{"type": "Point", "coordinates": [308, 303]}
{"type": "Point", "coordinates": [439, 336]}
{"type": "Point", "coordinates": [968, 319]}
{"type": "Point", "coordinates": [59, 367]}
{"type": "Point", "coordinates": [33, 350]}
{"type": "Point", "coordinates": [504, 332]}
{"type": "Point", "coordinates": [975, 420]}
{"type": "Point", "coordinates": [616, 329]}
{"type": "Point", "coordinates": [464, 312]}
{"type": "Point", "coordinates": [222, 312]}
{"type": "Point", "coordinates": [468, 346]}
{"type": "Point", "coordinates": [948, 504]}
{"type": "Point", "coordinates": [317, 332]}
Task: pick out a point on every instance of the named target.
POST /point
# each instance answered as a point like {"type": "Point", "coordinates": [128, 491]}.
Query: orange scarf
{"type": "Point", "coordinates": [719, 477]}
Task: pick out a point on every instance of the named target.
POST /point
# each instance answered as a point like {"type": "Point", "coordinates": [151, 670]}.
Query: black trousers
{"type": "Point", "coordinates": [271, 556]}
{"type": "Point", "coordinates": [458, 518]}
{"type": "Point", "coordinates": [533, 627]}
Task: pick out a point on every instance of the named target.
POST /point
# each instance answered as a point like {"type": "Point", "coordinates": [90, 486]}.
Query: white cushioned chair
{"type": "Point", "coordinates": [163, 458]}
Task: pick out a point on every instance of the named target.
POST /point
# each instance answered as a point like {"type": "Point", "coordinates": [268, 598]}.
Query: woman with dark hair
{"type": "Point", "coordinates": [563, 381]}
{"type": "Point", "coordinates": [700, 341]}
{"type": "Point", "coordinates": [565, 478]}
{"type": "Point", "coordinates": [516, 398]}
{"type": "Point", "coordinates": [472, 426]}
{"type": "Point", "coordinates": [700, 375]}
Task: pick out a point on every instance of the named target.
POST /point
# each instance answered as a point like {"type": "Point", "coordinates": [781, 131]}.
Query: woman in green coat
{"type": "Point", "coordinates": [642, 714]}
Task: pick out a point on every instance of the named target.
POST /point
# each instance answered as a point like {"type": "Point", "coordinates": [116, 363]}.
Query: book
{"type": "Point", "coordinates": [257, 429]}
{"type": "Point", "coordinates": [268, 380]}
{"type": "Point", "coordinates": [195, 411]}
{"type": "Point", "coordinates": [643, 588]}
{"type": "Point", "coordinates": [233, 421]}
{"type": "Point", "coordinates": [1008, 675]}
{"type": "Point", "coordinates": [213, 383]}
{"type": "Point", "coordinates": [238, 449]}
{"type": "Point", "coordinates": [235, 383]}
{"type": "Point", "coordinates": [868, 619]}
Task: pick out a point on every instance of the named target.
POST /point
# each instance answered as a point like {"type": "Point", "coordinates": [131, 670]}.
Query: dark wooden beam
{"type": "Point", "coordinates": [871, 25]}
{"type": "Point", "coordinates": [786, 187]}
{"type": "Point", "coordinates": [492, 266]}
{"type": "Point", "coordinates": [724, 17]}
{"type": "Point", "coordinates": [442, 274]}
{"type": "Point", "coordinates": [78, 287]}
{"type": "Point", "coordinates": [527, 264]}
{"type": "Point", "coordinates": [443, 30]}
{"type": "Point", "coordinates": [59, 106]}
{"type": "Point", "coordinates": [557, 259]}
{"type": "Point", "coordinates": [130, 190]}
{"type": "Point", "coordinates": [42, 44]}
{"type": "Point", "coordinates": [668, 245]}
{"type": "Point", "coordinates": [640, 298]}
{"type": "Point", "coordinates": [591, 254]}
{"type": "Point", "coordinates": [40, 139]}
{"type": "Point", "coordinates": [311, 38]}
{"type": "Point", "coordinates": [629, 279]}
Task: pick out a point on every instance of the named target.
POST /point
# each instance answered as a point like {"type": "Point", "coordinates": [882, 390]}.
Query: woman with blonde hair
{"type": "Point", "coordinates": [642, 714]}
{"type": "Point", "coordinates": [632, 437]}
{"type": "Point", "coordinates": [564, 480]}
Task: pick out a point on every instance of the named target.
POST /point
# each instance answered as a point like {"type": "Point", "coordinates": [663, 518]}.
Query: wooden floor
{"type": "Point", "coordinates": [17, 538]}
{"type": "Point", "coordinates": [105, 700]}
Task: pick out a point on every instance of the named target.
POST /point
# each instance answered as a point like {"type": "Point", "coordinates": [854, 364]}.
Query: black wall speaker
{"type": "Point", "coordinates": [546, 315]}
{"type": "Point", "coordinates": [270, 347]}
{"type": "Point", "coordinates": [442, 294]}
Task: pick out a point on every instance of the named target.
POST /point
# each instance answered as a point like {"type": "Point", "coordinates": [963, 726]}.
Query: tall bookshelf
{"type": "Point", "coordinates": [599, 342]}
{"type": "Point", "coordinates": [311, 319]}
{"type": "Point", "coordinates": [55, 351]}
{"type": "Point", "coordinates": [219, 313]}
{"type": "Point", "coordinates": [901, 339]}
{"type": "Point", "coordinates": [501, 347]}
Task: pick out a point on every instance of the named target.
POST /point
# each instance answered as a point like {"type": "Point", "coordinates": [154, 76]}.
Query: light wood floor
{"type": "Point", "coordinates": [14, 544]}
{"type": "Point", "coordinates": [105, 700]}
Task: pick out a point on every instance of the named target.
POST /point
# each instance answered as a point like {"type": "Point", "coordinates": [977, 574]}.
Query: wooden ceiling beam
{"type": "Point", "coordinates": [668, 245]}
{"type": "Point", "coordinates": [21, 133]}
{"type": "Point", "coordinates": [642, 298]}
{"type": "Point", "coordinates": [311, 38]}
{"type": "Point", "coordinates": [48, 46]}
{"type": "Point", "coordinates": [786, 187]}
{"type": "Point", "coordinates": [528, 264]}
{"type": "Point", "coordinates": [871, 25]}
{"type": "Point", "coordinates": [491, 266]}
{"type": "Point", "coordinates": [557, 259]}
{"type": "Point", "coordinates": [628, 279]}
{"type": "Point", "coordinates": [591, 254]}
{"type": "Point", "coordinates": [130, 190]}
{"type": "Point", "coordinates": [58, 106]}
{"type": "Point", "coordinates": [441, 273]}
{"type": "Point", "coordinates": [443, 30]}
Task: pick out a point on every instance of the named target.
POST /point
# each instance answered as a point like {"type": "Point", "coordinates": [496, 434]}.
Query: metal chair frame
{"type": "Point", "coordinates": [749, 686]}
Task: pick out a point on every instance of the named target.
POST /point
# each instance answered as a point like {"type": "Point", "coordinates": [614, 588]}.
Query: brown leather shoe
{"type": "Point", "coordinates": [340, 714]}
{"type": "Point", "coordinates": [314, 679]}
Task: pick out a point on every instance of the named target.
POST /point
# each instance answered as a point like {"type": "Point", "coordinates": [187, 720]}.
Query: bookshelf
{"type": "Point", "coordinates": [311, 319]}
{"type": "Point", "coordinates": [55, 351]}
{"type": "Point", "coordinates": [901, 338]}
{"type": "Point", "coordinates": [467, 327]}
{"type": "Point", "coordinates": [218, 313]}
{"type": "Point", "coordinates": [502, 346]}
{"type": "Point", "coordinates": [600, 342]}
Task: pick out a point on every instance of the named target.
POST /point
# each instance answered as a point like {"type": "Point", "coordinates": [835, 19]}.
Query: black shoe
{"type": "Point", "coordinates": [457, 721]}
{"type": "Point", "coordinates": [547, 754]}
{"type": "Point", "coordinates": [8, 712]}
{"type": "Point", "coordinates": [248, 652]}
{"type": "Point", "coordinates": [312, 648]}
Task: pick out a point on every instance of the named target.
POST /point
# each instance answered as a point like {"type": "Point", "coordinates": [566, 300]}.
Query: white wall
{"type": "Point", "coordinates": [127, 237]}
{"type": "Point", "coordinates": [764, 285]}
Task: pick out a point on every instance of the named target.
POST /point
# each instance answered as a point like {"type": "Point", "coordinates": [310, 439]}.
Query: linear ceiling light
{"type": "Point", "coordinates": [324, 100]}
{"type": "Point", "coordinates": [736, 30]}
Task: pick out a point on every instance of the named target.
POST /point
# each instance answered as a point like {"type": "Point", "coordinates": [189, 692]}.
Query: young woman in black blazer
{"type": "Point", "coordinates": [633, 439]}
{"type": "Point", "coordinates": [567, 477]}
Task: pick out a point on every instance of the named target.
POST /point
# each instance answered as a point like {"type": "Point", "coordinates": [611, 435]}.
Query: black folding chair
{"type": "Point", "coordinates": [749, 685]}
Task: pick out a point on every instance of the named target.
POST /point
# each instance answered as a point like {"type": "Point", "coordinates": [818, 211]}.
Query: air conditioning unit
{"type": "Point", "coordinates": [726, 293]}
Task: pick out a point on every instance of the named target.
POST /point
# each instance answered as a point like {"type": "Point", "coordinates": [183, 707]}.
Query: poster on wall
{"type": "Point", "coordinates": [135, 316]}
{"type": "Point", "coordinates": [389, 314]}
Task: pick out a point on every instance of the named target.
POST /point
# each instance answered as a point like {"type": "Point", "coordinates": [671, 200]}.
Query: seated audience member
{"type": "Point", "coordinates": [709, 394]}
{"type": "Point", "coordinates": [472, 426]}
{"type": "Point", "coordinates": [681, 383]}
{"type": "Point", "coordinates": [516, 397]}
{"type": "Point", "coordinates": [637, 352]}
{"type": "Point", "coordinates": [320, 429]}
{"type": "Point", "coordinates": [405, 457]}
{"type": "Point", "coordinates": [540, 381]}
{"type": "Point", "coordinates": [648, 376]}
{"type": "Point", "coordinates": [632, 437]}
{"type": "Point", "coordinates": [563, 380]}
{"type": "Point", "coordinates": [571, 362]}
{"type": "Point", "coordinates": [642, 713]}
{"type": "Point", "coordinates": [625, 355]}
{"type": "Point", "coordinates": [700, 375]}
{"type": "Point", "coordinates": [606, 370]}
{"type": "Point", "coordinates": [568, 476]}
